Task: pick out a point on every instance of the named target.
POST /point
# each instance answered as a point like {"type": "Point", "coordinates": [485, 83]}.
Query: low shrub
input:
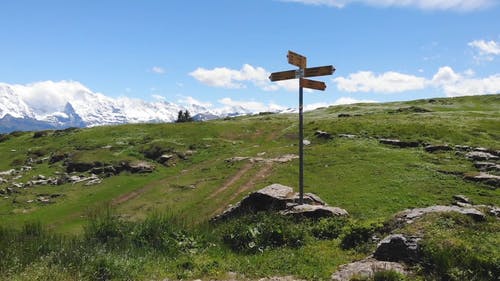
{"type": "Point", "coordinates": [449, 260]}
{"type": "Point", "coordinates": [359, 236]}
{"type": "Point", "coordinates": [258, 232]}
{"type": "Point", "coordinates": [328, 228]}
{"type": "Point", "coordinates": [388, 275]}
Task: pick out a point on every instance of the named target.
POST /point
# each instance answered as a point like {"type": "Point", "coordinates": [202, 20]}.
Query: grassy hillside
{"type": "Point", "coordinates": [372, 181]}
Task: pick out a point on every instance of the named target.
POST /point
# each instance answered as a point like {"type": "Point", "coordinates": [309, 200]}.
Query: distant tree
{"type": "Point", "coordinates": [184, 116]}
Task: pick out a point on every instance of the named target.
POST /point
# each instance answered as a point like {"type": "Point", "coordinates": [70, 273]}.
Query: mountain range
{"type": "Point", "coordinates": [73, 105]}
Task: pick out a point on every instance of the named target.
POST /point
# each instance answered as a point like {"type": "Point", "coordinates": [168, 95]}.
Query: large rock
{"type": "Point", "coordinates": [399, 143]}
{"type": "Point", "coordinates": [410, 215]}
{"type": "Point", "coordinates": [365, 268]}
{"type": "Point", "coordinates": [315, 211]}
{"type": "Point", "coordinates": [488, 179]}
{"type": "Point", "coordinates": [397, 247]}
{"type": "Point", "coordinates": [283, 199]}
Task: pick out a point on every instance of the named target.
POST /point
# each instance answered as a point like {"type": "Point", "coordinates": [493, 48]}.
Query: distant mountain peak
{"type": "Point", "coordinates": [58, 105]}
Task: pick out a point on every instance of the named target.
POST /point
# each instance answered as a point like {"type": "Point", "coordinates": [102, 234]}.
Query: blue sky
{"type": "Point", "coordinates": [221, 52]}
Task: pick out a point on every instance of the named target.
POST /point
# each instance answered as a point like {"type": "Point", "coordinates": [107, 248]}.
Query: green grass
{"type": "Point", "coordinates": [370, 180]}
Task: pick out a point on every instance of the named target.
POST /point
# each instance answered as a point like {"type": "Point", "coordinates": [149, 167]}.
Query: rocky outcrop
{"type": "Point", "coordinates": [397, 247]}
{"type": "Point", "coordinates": [410, 215]}
{"type": "Point", "coordinates": [399, 143]}
{"type": "Point", "coordinates": [485, 178]}
{"type": "Point", "coordinates": [282, 199]}
{"type": "Point", "coordinates": [481, 156]}
{"type": "Point", "coordinates": [365, 269]}
{"type": "Point", "coordinates": [109, 169]}
{"type": "Point", "coordinates": [487, 166]}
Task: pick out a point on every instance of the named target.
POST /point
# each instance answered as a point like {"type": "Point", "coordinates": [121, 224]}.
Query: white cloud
{"type": "Point", "coordinates": [486, 47]}
{"type": "Point", "coordinates": [445, 76]}
{"type": "Point", "coordinates": [223, 77]}
{"type": "Point", "coordinates": [457, 5]}
{"type": "Point", "coordinates": [486, 50]}
{"type": "Point", "coordinates": [450, 82]}
{"type": "Point", "coordinates": [158, 70]}
{"type": "Point", "coordinates": [388, 82]}
{"type": "Point", "coordinates": [454, 84]}
{"type": "Point", "coordinates": [49, 96]}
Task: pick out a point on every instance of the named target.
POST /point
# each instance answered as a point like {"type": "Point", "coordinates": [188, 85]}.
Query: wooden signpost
{"type": "Point", "coordinates": [301, 62]}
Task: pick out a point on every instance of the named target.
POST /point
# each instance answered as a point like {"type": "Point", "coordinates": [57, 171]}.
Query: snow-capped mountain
{"type": "Point", "coordinates": [57, 105]}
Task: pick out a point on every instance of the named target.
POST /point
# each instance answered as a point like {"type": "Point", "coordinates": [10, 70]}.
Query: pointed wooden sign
{"type": "Point", "coordinates": [312, 84]}
{"type": "Point", "coordinates": [296, 59]}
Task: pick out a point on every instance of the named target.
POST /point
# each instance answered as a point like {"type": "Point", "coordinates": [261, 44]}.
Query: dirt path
{"type": "Point", "coordinates": [263, 173]}
{"type": "Point", "coordinates": [133, 194]}
{"type": "Point", "coordinates": [232, 180]}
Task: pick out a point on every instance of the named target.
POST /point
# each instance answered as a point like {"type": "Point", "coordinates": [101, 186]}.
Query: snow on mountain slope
{"type": "Point", "coordinates": [11, 103]}
{"type": "Point", "coordinates": [71, 104]}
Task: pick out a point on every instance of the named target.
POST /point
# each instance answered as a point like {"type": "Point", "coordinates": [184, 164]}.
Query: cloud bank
{"type": "Point", "coordinates": [450, 82]}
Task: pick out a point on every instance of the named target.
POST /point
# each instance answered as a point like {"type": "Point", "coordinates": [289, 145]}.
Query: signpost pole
{"type": "Point", "coordinates": [301, 62]}
{"type": "Point", "coordinates": [301, 145]}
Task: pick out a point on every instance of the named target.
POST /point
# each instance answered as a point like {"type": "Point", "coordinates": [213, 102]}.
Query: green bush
{"type": "Point", "coordinates": [358, 235]}
{"type": "Point", "coordinates": [455, 261]}
{"type": "Point", "coordinates": [328, 228]}
{"type": "Point", "coordinates": [258, 232]}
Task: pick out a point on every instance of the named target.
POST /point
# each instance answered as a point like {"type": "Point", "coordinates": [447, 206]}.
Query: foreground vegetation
{"type": "Point", "coordinates": [155, 225]}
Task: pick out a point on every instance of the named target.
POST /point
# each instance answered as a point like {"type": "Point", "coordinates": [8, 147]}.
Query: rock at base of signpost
{"type": "Point", "coordinates": [282, 199]}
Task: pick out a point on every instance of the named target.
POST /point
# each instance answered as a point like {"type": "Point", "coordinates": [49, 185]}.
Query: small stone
{"type": "Point", "coordinates": [462, 204]}
{"type": "Point", "coordinates": [399, 143]}
{"type": "Point", "coordinates": [307, 142]}
{"type": "Point", "coordinates": [487, 166]}
{"type": "Point", "coordinates": [461, 198]}
{"type": "Point", "coordinates": [434, 148]}
{"type": "Point", "coordinates": [495, 211]}
{"type": "Point", "coordinates": [347, 136]}
{"type": "Point", "coordinates": [323, 135]}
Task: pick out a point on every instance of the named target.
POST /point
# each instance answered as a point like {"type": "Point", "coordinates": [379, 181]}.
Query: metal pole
{"type": "Point", "coordinates": [301, 147]}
